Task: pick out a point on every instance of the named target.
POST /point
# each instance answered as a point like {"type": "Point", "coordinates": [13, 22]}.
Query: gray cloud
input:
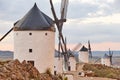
{"type": "Point", "coordinates": [81, 10]}
{"type": "Point", "coordinates": [16, 9]}
{"type": "Point", "coordinates": [115, 7]}
{"type": "Point", "coordinates": [93, 32]}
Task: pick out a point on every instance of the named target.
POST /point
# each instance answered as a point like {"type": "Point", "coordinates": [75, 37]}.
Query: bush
{"type": "Point", "coordinates": [65, 78]}
{"type": "Point", "coordinates": [48, 71]}
{"type": "Point", "coordinates": [102, 70]}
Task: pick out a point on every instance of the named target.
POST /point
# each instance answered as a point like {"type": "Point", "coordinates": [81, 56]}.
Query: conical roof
{"type": "Point", "coordinates": [34, 20]}
{"type": "Point", "coordinates": [83, 49]}
{"type": "Point", "coordinates": [106, 56]}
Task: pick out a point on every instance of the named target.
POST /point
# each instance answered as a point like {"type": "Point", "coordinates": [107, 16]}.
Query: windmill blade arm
{"type": "Point", "coordinates": [53, 11]}
{"type": "Point", "coordinates": [64, 6]}
{"type": "Point", "coordinates": [97, 60]}
{"type": "Point", "coordinates": [112, 53]}
{"type": "Point", "coordinates": [62, 38]}
{"type": "Point", "coordinates": [77, 46]}
{"type": "Point", "coordinates": [6, 34]}
{"type": "Point", "coordinates": [89, 49]}
{"type": "Point", "coordinates": [57, 22]}
{"type": "Point", "coordinates": [60, 47]}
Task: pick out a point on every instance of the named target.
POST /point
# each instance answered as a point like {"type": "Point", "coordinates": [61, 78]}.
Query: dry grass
{"type": "Point", "coordinates": [103, 71]}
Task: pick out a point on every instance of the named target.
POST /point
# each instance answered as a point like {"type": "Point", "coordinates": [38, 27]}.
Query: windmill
{"type": "Point", "coordinates": [107, 58]}
{"type": "Point", "coordinates": [59, 23]}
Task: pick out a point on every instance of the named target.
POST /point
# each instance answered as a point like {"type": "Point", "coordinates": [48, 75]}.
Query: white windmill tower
{"type": "Point", "coordinates": [107, 59]}
{"type": "Point", "coordinates": [34, 39]}
{"type": "Point", "coordinates": [84, 54]}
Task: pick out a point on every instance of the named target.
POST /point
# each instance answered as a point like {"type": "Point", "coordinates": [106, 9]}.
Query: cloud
{"type": "Point", "coordinates": [5, 26]}
{"type": "Point", "coordinates": [79, 10]}
{"type": "Point", "coordinates": [116, 5]}
{"type": "Point", "coordinates": [15, 9]}
{"type": "Point", "coordinates": [95, 20]}
{"type": "Point", "coordinates": [92, 8]}
{"type": "Point", "coordinates": [92, 29]}
{"type": "Point", "coordinates": [110, 19]}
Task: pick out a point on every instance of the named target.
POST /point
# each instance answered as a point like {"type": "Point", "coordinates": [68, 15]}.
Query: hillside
{"type": "Point", "coordinates": [103, 71]}
{"type": "Point", "coordinates": [14, 70]}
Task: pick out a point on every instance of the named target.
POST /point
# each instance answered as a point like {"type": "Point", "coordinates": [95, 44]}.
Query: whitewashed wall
{"type": "Point", "coordinates": [58, 65]}
{"type": "Point", "coordinates": [84, 56]}
{"type": "Point", "coordinates": [105, 61]}
{"type": "Point", "coordinates": [72, 63]}
{"type": "Point", "coordinates": [70, 77]}
{"type": "Point", "coordinates": [42, 46]}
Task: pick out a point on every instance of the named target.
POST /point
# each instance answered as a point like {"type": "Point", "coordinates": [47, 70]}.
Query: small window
{"type": "Point", "coordinates": [30, 50]}
{"type": "Point", "coordinates": [31, 62]}
{"type": "Point", "coordinates": [46, 34]}
{"type": "Point", "coordinates": [79, 73]}
{"type": "Point", "coordinates": [30, 33]}
{"type": "Point", "coordinates": [55, 72]}
{"type": "Point", "coordinates": [69, 68]}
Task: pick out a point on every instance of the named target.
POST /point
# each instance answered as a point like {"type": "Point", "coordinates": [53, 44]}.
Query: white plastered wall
{"type": "Point", "coordinates": [72, 63]}
{"type": "Point", "coordinates": [42, 44]}
{"type": "Point", "coordinates": [58, 65]}
{"type": "Point", "coordinates": [84, 56]}
{"type": "Point", "coordinates": [105, 61]}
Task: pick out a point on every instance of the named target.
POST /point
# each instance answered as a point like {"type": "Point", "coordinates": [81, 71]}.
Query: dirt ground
{"type": "Point", "coordinates": [94, 78]}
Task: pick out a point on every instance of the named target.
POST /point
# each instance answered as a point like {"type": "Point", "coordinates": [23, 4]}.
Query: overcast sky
{"type": "Point", "coordinates": [94, 20]}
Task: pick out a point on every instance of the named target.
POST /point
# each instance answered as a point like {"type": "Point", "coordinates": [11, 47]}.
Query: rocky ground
{"type": "Point", "coordinates": [14, 70]}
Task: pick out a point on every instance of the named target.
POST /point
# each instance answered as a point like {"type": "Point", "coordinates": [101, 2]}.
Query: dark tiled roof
{"type": "Point", "coordinates": [34, 20]}
{"type": "Point", "coordinates": [83, 49]}
{"type": "Point", "coordinates": [106, 56]}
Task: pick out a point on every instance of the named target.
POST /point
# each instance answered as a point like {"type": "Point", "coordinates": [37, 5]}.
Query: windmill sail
{"type": "Point", "coordinates": [59, 24]}
{"type": "Point", "coordinates": [64, 5]}
{"type": "Point", "coordinates": [6, 34]}
{"type": "Point", "coordinates": [77, 46]}
{"type": "Point", "coordinates": [89, 49]}
{"type": "Point", "coordinates": [110, 55]}
{"type": "Point", "coordinates": [98, 59]}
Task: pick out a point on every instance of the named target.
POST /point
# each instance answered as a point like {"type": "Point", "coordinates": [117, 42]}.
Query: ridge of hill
{"type": "Point", "coordinates": [103, 71]}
